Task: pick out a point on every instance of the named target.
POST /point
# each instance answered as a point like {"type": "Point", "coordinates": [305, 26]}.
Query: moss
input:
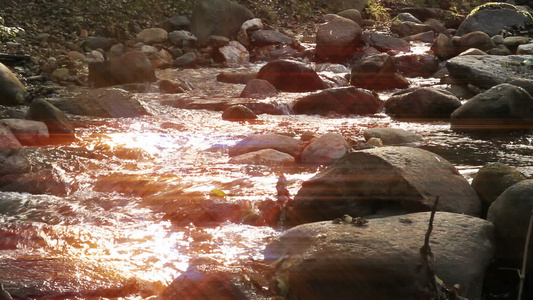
{"type": "Point", "coordinates": [499, 5]}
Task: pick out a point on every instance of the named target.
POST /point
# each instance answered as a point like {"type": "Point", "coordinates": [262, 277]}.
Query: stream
{"type": "Point", "coordinates": [104, 240]}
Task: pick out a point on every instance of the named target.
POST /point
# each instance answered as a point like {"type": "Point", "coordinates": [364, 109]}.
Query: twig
{"type": "Point", "coordinates": [425, 251]}
{"type": "Point", "coordinates": [524, 261]}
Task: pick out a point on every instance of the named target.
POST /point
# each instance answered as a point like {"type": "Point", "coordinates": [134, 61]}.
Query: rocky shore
{"type": "Point", "coordinates": [358, 226]}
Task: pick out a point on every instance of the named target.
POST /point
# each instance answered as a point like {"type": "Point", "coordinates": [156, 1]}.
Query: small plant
{"type": "Point", "coordinates": [377, 11]}
{"type": "Point", "coordinates": [9, 33]}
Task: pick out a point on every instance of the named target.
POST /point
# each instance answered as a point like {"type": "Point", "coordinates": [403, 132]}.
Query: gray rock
{"type": "Point", "coordinates": [186, 60]}
{"type": "Point", "coordinates": [266, 157]}
{"type": "Point", "coordinates": [422, 103]}
{"type": "Point", "coordinates": [526, 49]}
{"type": "Point", "coordinates": [385, 43]}
{"type": "Point", "coordinates": [260, 38]}
{"type": "Point", "coordinates": [176, 23]}
{"type": "Point", "coordinates": [393, 136]}
{"type": "Point", "coordinates": [476, 39]}
{"type": "Point", "coordinates": [180, 37]}
{"type": "Point", "coordinates": [417, 65]}
{"type": "Point", "coordinates": [385, 180]}
{"type": "Point", "coordinates": [234, 54]}
{"type": "Point", "coordinates": [492, 180]}
{"type": "Point", "coordinates": [259, 89]}
{"type": "Point", "coordinates": [103, 103]}
{"type": "Point", "coordinates": [343, 101]}
{"type": "Point", "coordinates": [486, 71]}
{"type": "Point", "coordinates": [218, 17]}
{"type": "Point", "coordinates": [238, 113]}
{"type": "Point", "coordinates": [152, 36]}
{"type": "Point", "coordinates": [257, 142]}
{"type": "Point", "coordinates": [96, 42]}
{"type": "Point", "coordinates": [131, 67]}
{"type": "Point", "coordinates": [492, 19]}
{"type": "Point", "coordinates": [12, 91]}
{"type": "Point", "coordinates": [503, 107]}
{"type": "Point", "coordinates": [291, 76]}
{"type": "Point", "coordinates": [408, 28]}
{"type": "Point", "coordinates": [337, 38]}
{"type": "Point", "coordinates": [443, 47]}
{"type": "Point", "coordinates": [406, 17]}
{"type": "Point", "coordinates": [325, 149]}
{"type": "Point", "coordinates": [59, 126]}
{"type": "Point", "coordinates": [377, 72]}
{"type": "Point", "coordinates": [381, 259]}
{"type": "Point", "coordinates": [510, 214]}
{"type": "Point", "coordinates": [352, 14]}
{"type": "Point", "coordinates": [28, 132]}
{"type": "Point", "coordinates": [340, 5]}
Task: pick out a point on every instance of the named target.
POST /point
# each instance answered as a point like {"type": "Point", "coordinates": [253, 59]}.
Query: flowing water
{"type": "Point", "coordinates": [106, 238]}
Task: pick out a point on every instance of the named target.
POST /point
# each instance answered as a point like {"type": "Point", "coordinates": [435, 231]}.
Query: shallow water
{"type": "Point", "coordinates": [106, 238]}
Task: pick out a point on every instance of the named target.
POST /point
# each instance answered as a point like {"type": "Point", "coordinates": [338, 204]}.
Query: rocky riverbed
{"type": "Point", "coordinates": [217, 155]}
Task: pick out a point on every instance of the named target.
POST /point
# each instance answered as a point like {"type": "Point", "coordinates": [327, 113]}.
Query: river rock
{"type": "Point", "coordinates": [421, 14]}
{"type": "Point", "coordinates": [151, 36]}
{"type": "Point", "coordinates": [510, 214]}
{"type": "Point", "coordinates": [492, 180]}
{"type": "Point", "coordinates": [352, 14]}
{"type": "Point", "coordinates": [128, 68]}
{"type": "Point", "coordinates": [186, 60]}
{"type": "Point", "coordinates": [337, 38]}
{"type": "Point", "coordinates": [486, 71]}
{"type": "Point", "coordinates": [103, 103]}
{"type": "Point", "coordinates": [393, 136]}
{"type": "Point", "coordinates": [28, 132]}
{"type": "Point", "coordinates": [176, 23]}
{"type": "Point", "coordinates": [325, 149]}
{"type": "Point", "coordinates": [405, 17]}
{"type": "Point", "coordinates": [340, 5]}
{"type": "Point", "coordinates": [443, 47]}
{"type": "Point", "coordinates": [248, 26]}
{"type": "Point", "coordinates": [208, 280]}
{"type": "Point", "coordinates": [382, 181]}
{"type": "Point", "coordinates": [377, 72]}
{"type": "Point", "coordinates": [12, 91]}
{"type": "Point", "coordinates": [381, 259]}
{"type": "Point", "coordinates": [291, 76]}
{"type": "Point", "coordinates": [274, 141]}
{"type": "Point", "coordinates": [175, 86]}
{"type": "Point", "coordinates": [503, 107]}
{"type": "Point", "coordinates": [259, 89]}
{"type": "Point", "coordinates": [476, 39]}
{"type": "Point", "coordinates": [385, 43]}
{"type": "Point", "coordinates": [491, 18]}
{"type": "Point", "coordinates": [343, 101]}
{"type": "Point", "coordinates": [417, 65]}
{"type": "Point", "coordinates": [96, 42]}
{"type": "Point", "coordinates": [59, 126]}
{"type": "Point", "coordinates": [267, 157]}
{"type": "Point", "coordinates": [261, 38]}
{"type": "Point", "coordinates": [8, 141]}
{"type": "Point", "coordinates": [526, 49]}
{"type": "Point", "coordinates": [422, 103]}
{"type": "Point", "coordinates": [407, 28]}
{"type": "Point", "coordinates": [234, 54]}
{"type": "Point", "coordinates": [181, 37]}
{"type": "Point", "coordinates": [218, 17]}
{"type": "Point", "coordinates": [238, 113]}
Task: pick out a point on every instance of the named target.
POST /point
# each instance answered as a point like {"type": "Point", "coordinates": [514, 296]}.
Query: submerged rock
{"type": "Point", "coordinates": [257, 142]}
{"type": "Point", "coordinates": [325, 149]}
{"type": "Point", "coordinates": [291, 76]}
{"type": "Point", "coordinates": [393, 136]}
{"type": "Point", "coordinates": [383, 181]}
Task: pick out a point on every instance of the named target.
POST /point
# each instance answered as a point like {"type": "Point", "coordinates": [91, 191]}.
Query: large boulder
{"type": "Point", "coordinates": [386, 180]}
{"type": "Point", "coordinates": [337, 38]}
{"type": "Point", "coordinates": [257, 142]}
{"type": "Point", "coordinates": [12, 91]}
{"type": "Point", "coordinates": [377, 72]}
{"type": "Point", "coordinates": [59, 126]}
{"type": "Point", "coordinates": [103, 103]}
{"type": "Point", "coordinates": [218, 17]}
{"type": "Point", "coordinates": [291, 76]}
{"type": "Point", "coordinates": [381, 259]}
{"type": "Point", "coordinates": [491, 18]}
{"type": "Point", "coordinates": [422, 103]}
{"type": "Point", "coordinates": [510, 214]}
{"type": "Point", "coordinates": [393, 136]}
{"type": "Point", "coordinates": [486, 71]}
{"type": "Point", "coordinates": [384, 42]}
{"type": "Point", "coordinates": [492, 180]}
{"type": "Point", "coordinates": [343, 101]}
{"type": "Point", "coordinates": [503, 107]}
{"type": "Point", "coordinates": [325, 149]}
{"type": "Point", "coordinates": [128, 68]}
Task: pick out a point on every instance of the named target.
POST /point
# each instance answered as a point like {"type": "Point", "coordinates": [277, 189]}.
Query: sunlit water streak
{"type": "Point", "coordinates": [102, 236]}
